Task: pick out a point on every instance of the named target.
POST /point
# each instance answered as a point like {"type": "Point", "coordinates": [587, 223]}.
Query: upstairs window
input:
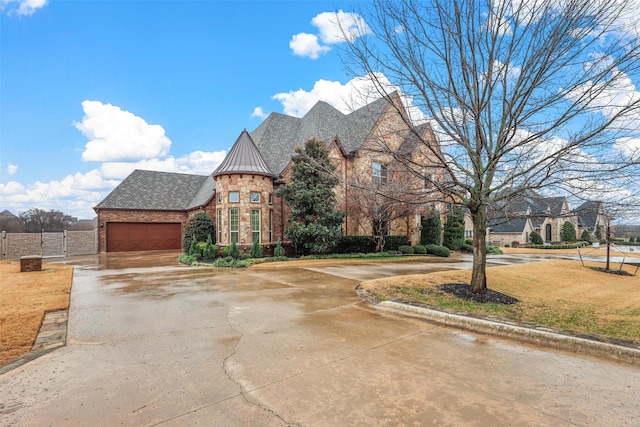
{"type": "Point", "coordinates": [234, 196]}
{"type": "Point", "coordinates": [379, 174]}
{"type": "Point", "coordinates": [255, 197]}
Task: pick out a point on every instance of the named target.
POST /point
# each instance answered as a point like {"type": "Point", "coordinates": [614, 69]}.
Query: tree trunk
{"type": "Point", "coordinates": [479, 272]}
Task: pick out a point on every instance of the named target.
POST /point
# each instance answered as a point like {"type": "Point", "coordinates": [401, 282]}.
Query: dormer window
{"type": "Point", "coordinates": [379, 174]}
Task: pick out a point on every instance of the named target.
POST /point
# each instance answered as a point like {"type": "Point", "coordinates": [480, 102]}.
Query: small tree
{"type": "Point", "coordinates": [256, 249]}
{"type": "Point", "coordinates": [314, 224]}
{"type": "Point", "coordinates": [198, 227]}
{"type": "Point", "coordinates": [568, 232]}
{"type": "Point", "coordinates": [599, 233]}
{"type": "Point", "coordinates": [209, 250]}
{"type": "Point", "coordinates": [234, 252]}
{"type": "Point", "coordinates": [278, 251]}
{"type": "Point", "coordinates": [193, 250]}
{"type": "Point", "coordinates": [586, 236]}
{"type": "Point", "coordinates": [431, 233]}
{"type": "Point", "coordinates": [536, 238]}
{"type": "Point", "coordinates": [454, 231]}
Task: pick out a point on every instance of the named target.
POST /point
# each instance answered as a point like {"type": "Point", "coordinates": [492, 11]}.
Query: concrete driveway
{"type": "Point", "coordinates": [154, 343]}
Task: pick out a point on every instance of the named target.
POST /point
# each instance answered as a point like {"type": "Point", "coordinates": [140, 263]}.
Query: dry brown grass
{"type": "Point", "coordinates": [588, 250]}
{"type": "Point", "coordinates": [561, 294]}
{"type": "Point", "coordinates": [25, 299]}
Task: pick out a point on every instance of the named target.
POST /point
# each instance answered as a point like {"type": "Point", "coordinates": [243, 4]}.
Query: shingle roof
{"type": "Point", "coordinates": [278, 135]}
{"type": "Point", "coordinates": [150, 190]}
{"type": "Point", "coordinates": [507, 225]}
{"type": "Point", "coordinates": [588, 214]}
{"type": "Point", "coordinates": [243, 157]}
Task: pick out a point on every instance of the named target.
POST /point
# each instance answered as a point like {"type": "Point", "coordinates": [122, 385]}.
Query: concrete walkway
{"type": "Point", "coordinates": [166, 345]}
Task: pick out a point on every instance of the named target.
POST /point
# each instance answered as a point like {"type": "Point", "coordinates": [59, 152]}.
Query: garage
{"type": "Point", "coordinates": [138, 236]}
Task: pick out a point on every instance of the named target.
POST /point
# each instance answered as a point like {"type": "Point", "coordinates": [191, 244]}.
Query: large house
{"type": "Point", "coordinates": [514, 220]}
{"type": "Point", "coordinates": [370, 147]}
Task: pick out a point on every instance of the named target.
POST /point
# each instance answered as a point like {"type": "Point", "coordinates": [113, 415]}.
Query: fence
{"type": "Point", "coordinates": [67, 243]}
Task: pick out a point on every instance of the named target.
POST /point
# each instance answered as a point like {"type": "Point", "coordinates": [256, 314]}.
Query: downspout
{"type": "Point", "coordinates": [346, 197]}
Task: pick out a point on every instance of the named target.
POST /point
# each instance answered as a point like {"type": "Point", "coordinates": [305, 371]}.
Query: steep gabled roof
{"type": "Point", "coordinates": [278, 135]}
{"type": "Point", "coordinates": [164, 191]}
{"type": "Point", "coordinates": [588, 214]}
{"type": "Point", "coordinates": [243, 157]}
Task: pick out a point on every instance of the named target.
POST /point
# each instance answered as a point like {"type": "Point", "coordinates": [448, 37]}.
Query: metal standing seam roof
{"type": "Point", "coordinates": [244, 157]}
{"type": "Point", "coordinates": [151, 190]}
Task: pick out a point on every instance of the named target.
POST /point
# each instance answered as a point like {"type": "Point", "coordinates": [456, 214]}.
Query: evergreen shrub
{"type": "Point", "coordinates": [419, 249]}
{"type": "Point", "coordinates": [437, 250]}
{"type": "Point", "coordinates": [406, 250]}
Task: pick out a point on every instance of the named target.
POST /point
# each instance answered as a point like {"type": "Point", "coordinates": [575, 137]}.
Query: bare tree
{"type": "Point", "coordinates": [389, 205]}
{"type": "Point", "coordinates": [37, 220]}
{"type": "Point", "coordinates": [524, 95]}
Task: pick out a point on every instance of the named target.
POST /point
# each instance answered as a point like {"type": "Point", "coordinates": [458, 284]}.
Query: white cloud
{"type": "Point", "coordinates": [109, 128]}
{"type": "Point", "coordinates": [337, 27]}
{"type": "Point", "coordinates": [304, 44]}
{"type": "Point", "coordinates": [22, 7]}
{"type": "Point", "coordinates": [347, 97]}
{"type": "Point", "coordinates": [333, 28]}
{"type": "Point", "coordinates": [258, 112]}
{"type": "Point", "coordinates": [12, 169]}
{"type": "Point", "coordinates": [74, 194]}
{"type": "Point", "coordinates": [116, 134]}
{"type": "Point", "coordinates": [630, 147]}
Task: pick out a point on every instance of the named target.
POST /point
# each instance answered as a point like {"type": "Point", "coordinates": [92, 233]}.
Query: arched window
{"type": "Point", "coordinates": [548, 233]}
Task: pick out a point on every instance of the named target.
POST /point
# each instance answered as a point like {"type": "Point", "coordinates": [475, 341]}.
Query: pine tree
{"type": "Point", "coordinates": [454, 231]}
{"type": "Point", "coordinates": [568, 232]}
{"type": "Point", "coordinates": [431, 233]}
{"type": "Point", "coordinates": [314, 224]}
{"type": "Point", "coordinates": [586, 237]}
{"type": "Point", "coordinates": [536, 238]}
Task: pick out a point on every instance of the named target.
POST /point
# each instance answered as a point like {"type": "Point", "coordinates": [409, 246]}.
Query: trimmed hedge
{"type": "Point", "coordinates": [406, 250]}
{"type": "Point", "coordinates": [366, 244]}
{"type": "Point", "coordinates": [420, 249]}
{"type": "Point", "coordinates": [571, 246]}
{"type": "Point", "coordinates": [441, 251]}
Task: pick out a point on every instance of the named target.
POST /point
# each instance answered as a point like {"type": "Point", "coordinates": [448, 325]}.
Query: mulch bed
{"type": "Point", "coordinates": [618, 272]}
{"type": "Point", "coordinates": [463, 291]}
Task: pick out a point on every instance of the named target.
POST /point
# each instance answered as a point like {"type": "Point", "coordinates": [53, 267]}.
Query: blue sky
{"type": "Point", "coordinates": [90, 90]}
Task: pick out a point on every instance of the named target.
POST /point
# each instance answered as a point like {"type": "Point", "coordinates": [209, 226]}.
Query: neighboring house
{"type": "Point", "coordinates": [148, 210]}
{"type": "Point", "coordinates": [504, 231]}
{"type": "Point", "coordinates": [592, 217]}
{"type": "Point", "coordinates": [11, 223]}
{"type": "Point", "coordinates": [545, 215]}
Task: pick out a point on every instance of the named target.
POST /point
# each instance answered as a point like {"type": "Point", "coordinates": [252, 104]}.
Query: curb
{"type": "Point", "coordinates": [51, 336]}
{"type": "Point", "coordinates": [531, 334]}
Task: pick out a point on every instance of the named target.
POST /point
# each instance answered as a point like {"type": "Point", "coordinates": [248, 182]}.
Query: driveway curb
{"type": "Point", "coordinates": [530, 333]}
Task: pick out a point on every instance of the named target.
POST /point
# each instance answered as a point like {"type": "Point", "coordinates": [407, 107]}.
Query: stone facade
{"type": "Point", "coordinates": [254, 194]}
{"type": "Point", "coordinates": [68, 243]}
{"type": "Point", "coordinates": [245, 175]}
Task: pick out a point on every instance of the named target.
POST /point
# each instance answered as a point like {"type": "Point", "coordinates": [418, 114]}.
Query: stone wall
{"type": "Point", "coordinates": [68, 243]}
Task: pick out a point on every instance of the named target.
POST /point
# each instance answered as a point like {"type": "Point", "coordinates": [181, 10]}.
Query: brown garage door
{"type": "Point", "coordinates": [138, 236]}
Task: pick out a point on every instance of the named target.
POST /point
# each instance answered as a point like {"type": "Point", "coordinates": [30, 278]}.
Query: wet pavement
{"type": "Point", "coordinates": [153, 343]}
